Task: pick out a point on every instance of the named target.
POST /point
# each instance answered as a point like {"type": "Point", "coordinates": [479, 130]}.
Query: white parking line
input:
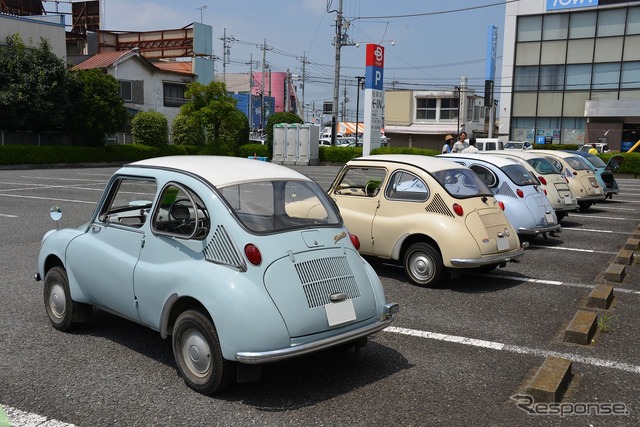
{"type": "Point", "coordinates": [557, 248]}
{"type": "Point", "coordinates": [591, 230]}
{"type": "Point", "coordinates": [16, 417]}
{"type": "Point", "coordinates": [603, 363]}
{"type": "Point", "coordinates": [8, 216]}
{"type": "Point", "coordinates": [604, 217]}
{"type": "Point", "coordinates": [22, 196]}
{"type": "Point", "coordinates": [558, 283]}
{"type": "Point", "coordinates": [609, 208]}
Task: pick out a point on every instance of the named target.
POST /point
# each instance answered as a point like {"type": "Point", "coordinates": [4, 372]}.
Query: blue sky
{"type": "Point", "coordinates": [433, 49]}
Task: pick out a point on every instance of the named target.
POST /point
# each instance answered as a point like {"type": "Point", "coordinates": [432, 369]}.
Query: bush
{"type": "Point", "coordinates": [258, 150]}
{"type": "Point", "coordinates": [150, 128]}
{"type": "Point", "coordinates": [187, 131]}
{"type": "Point", "coordinates": [557, 146]}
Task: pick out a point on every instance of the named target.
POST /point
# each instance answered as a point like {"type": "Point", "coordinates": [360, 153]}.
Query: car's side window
{"type": "Point", "coordinates": [486, 175]}
{"type": "Point", "coordinates": [180, 213]}
{"type": "Point", "coordinates": [406, 186]}
{"type": "Point", "coordinates": [128, 202]}
{"type": "Point", "coordinates": [361, 182]}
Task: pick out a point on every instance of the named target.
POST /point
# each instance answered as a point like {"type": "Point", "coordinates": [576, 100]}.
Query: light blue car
{"type": "Point", "coordinates": [241, 262]}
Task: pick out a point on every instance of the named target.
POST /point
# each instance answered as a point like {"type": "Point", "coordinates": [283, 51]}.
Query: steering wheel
{"type": "Point", "coordinates": [371, 188]}
{"type": "Point", "coordinates": [180, 216]}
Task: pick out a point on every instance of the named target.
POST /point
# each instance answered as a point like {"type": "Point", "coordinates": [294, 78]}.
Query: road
{"type": "Point", "coordinates": [455, 355]}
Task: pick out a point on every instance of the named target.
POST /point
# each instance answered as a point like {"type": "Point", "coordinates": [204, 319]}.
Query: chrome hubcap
{"type": "Point", "coordinates": [196, 353]}
{"type": "Point", "coordinates": [421, 266]}
{"type": "Point", "coordinates": [57, 301]}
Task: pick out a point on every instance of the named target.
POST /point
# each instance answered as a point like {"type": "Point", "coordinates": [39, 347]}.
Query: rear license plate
{"type": "Point", "coordinates": [598, 190]}
{"type": "Point", "coordinates": [548, 217]}
{"type": "Point", "coordinates": [503, 243]}
{"type": "Point", "coordinates": [340, 312]}
{"type": "Point", "coordinates": [567, 200]}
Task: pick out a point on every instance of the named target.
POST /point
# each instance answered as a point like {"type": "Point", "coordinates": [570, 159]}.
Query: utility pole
{"type": "Point", "coordinates": [344, 103]}
{"type": "Point", "coordinates": [250, 112]}
{"type": "Point", "coordinates": [336, 77]}
{"type": "Point", "coordinates": [226, 52]}
{"type": "Point", "coordinates": [304, 76]}
{"type": "Point", "coordinates": [360, 79]}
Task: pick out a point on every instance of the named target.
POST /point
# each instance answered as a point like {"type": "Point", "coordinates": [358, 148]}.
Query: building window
{"type": "Point", "coordinates": [633, 20]}
{"type": "Point", "coordinates": [578, 77]}
{"type": "Point", "coordinates": [606, 76]}
{"type": "Point", "coordinates": [526, 79]}
{"type": "Point", "coordinates": [448, 108]}
{"type": "Point", "coordinates": [630, 75]}
{"type": "Point", "coordinates": [552, 77]}
{"type": "Point", "coordinates": [582, 25]}
{"type": "Point", "coordinates": [529, 28]}
{"type": "Point", "coordinates": [174, 94]}
{"type": "Point", "coordinates": [126, 90]}
{"type": "Point", "coordinates": [426, 108]}
{"type": "Point", "coordinates": [611, 22]}
{"type": "Point", "coordinates": [555, 27]}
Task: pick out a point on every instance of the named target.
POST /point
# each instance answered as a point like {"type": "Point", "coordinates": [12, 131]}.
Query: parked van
{"type": "Point", "coordinates": [486, 144]}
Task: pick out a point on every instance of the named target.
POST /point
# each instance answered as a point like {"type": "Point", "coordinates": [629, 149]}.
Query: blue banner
{"type": "Point", "coordinates": [567, 4]}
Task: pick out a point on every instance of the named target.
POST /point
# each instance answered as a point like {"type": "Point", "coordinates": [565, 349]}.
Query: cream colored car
{"type": "Point", "coordinates": [580, 176]}
{"type": "Point", "coordinates": [431, 215]}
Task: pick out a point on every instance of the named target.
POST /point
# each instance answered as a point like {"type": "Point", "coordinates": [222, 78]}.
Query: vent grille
{"type": "Point", "coordinates": [493, 223]}
{"type": "Point", "coordinates": [221, 249]}
{"type": "Point", "coordinates": [322, 277]}
{"type": "Point", "coordinates": [505, 190]}
{"type": "Point", "coordinates": [438, 205]}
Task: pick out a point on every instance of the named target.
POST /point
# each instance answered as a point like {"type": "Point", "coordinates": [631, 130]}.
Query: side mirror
{"type": "Point", "coordinates": [55, 213]}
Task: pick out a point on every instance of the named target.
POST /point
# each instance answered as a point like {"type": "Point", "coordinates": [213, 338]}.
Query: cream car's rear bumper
{"type": "Point", "coordinates": [494, 259]}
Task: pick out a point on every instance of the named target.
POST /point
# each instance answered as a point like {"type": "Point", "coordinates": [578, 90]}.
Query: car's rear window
{"type": "Point", "coordinates": [596, 161]}
{"type": "Point", "coordinates": [462, 183]}
{"type": "Point", "coordinates": [542, 166]}
{"type": "Point", "coordinates": [578, 163]}
{"type": "Point", "coordinates": [519, 175]}
{"type": "Point", "coordinates": [270, 206]}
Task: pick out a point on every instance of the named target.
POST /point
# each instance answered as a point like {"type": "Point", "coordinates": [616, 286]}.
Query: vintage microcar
{"type": "Point", "coordinates": [553, 182]}
{"type": "Point", "coordinates": [580, 176]}
{"type": "Point", "coordinates": [429, 214]}
{"type": "Point", "coordinates": [603, 171]}
{"type": "Point", "coordinates": [223, 255]}
{"type": "Point", "coordinates": [525, 204]}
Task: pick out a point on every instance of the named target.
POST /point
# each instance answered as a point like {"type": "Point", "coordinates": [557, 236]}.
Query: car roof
{"type": "Point", "coordinates": [496, 160]}
{"type": "Point", "coordinates": [530, 154]}
{"type": "Point", "coordinates": [558, 153]}
{"type": "Point", "coordinates": [220, 170]}
{"type": "Point", "coordinates": [428, 163]}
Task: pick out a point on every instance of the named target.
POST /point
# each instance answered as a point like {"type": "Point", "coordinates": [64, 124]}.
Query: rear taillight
{"type": "Point", "coordinates": [458, 209]}
{"type": "Point", "coordinates": [544, 190]}
{"type": "Point", "coordinates": [542, 180]}
{"type": "Point", "coordinates": [355, 241]}
{"type": "Point", "coordinates": [501, 205]}
{"type": "Point", "coordinates": [253, 254]}
{"type": "Point", "coordinates": [520, 193]}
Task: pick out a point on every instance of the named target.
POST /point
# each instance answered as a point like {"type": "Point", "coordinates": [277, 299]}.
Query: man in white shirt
{"type": "Point", "coordinates": [472, 146]}
{"type": "Point", "coordinates": [459, 145]}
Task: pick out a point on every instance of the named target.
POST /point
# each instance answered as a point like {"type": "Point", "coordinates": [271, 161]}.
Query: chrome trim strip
{"type": "Point", "coordinates": [540, 229]}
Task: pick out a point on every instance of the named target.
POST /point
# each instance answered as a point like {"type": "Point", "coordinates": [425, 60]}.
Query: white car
{"type": "Point", "coordinates": [525, 204]}
{"type": "Point", "coordinates": [518, 145]}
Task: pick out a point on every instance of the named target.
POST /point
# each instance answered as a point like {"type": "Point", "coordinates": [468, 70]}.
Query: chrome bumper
{"type": "Point", "coordinates": [256, 357]}
{"type": "Point", "coordinates": [494, 259]}
{"type": "Point", "coordinates": [539, 230]}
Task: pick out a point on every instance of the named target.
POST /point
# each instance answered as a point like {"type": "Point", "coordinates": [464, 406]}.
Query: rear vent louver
{"type": "Point", "coordinates": [438, 206]}
{"type": "Point", "coordinates": [322, 277]}
{"type": "Point", "coordinates": [221, 250]}
{"type": "Point", "coordinates": [505, 190]}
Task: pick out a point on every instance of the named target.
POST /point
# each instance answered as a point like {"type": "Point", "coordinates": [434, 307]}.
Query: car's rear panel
{"type": "Point", "coordinates": [491, 229]}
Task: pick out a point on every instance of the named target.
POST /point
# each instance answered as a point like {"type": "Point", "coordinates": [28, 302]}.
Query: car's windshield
{"type": "Point", "coordinates": [542, 166]}
{"type": "Point", "coordinates": [513, 145]}
{"type": "Point", "coordinates": [462, 183]}
{"type": "Point", "coordinates": [268, 206]}
{"type": "Point", "coordinates": [519, 175]}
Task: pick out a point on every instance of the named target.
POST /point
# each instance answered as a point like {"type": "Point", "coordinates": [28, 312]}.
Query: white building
{"type": "Point", "coordinates": [571, 72]}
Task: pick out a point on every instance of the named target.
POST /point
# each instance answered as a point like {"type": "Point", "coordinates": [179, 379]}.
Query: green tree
{"type": "Point", "coordinates": [216, 111]}
{"type": "Point", "coordinates": [99, 108]}
{"type": "Point", "coordinates": [150, 128]}
{"type": "Point", "coordinates": [33, 87]}
{"type": "Point", "coordinates": [185, 130]}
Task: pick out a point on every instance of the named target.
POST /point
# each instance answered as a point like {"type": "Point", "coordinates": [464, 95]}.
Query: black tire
{"type": "Point", "coordinates": [196, 349]}
{"type": "Point", "coordinates": [423, 264]}
{"type": "Point", "coordinates": [57, 299]}
{"type": "Point", "coordinates": [584, 205]}
{"type": "Point", "coordinates": [560, 215]}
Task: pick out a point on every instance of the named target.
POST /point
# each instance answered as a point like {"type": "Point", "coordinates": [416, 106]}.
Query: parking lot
{"type": "Point", "coordinates": [456, 354]}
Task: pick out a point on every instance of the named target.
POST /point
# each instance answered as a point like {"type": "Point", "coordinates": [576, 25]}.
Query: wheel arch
{"type": "Point", "coordinates": [175, 305]}
{"type": "Point", "coordinates": [415, 238]}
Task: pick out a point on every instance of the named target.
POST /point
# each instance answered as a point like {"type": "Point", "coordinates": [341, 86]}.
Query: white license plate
{"type": "Point", "coordinates": [503, 243]}
{"type": "Point", "coordinates": [340, 312]}
{"type": "Point", "coordinates": [598, 190]}
{"type": "Point", "coordinates": [549, 217]}
{"type": "Point", "coordinates": [567, 200]}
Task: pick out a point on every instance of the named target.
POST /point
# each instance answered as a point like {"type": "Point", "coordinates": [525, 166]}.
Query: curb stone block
{"type": "Point", "coordinates": [551, 380]}
{"type": "Point", "coordinates": [601, 296]}
{"type": "Point", "coordinates": [632, 244]}
{"type": "Point", "coordinates": [615, 273]}
{"type": "Point", "coordinates": [581, 328]}
{"type": "Point", "coordinates": [625, 256]}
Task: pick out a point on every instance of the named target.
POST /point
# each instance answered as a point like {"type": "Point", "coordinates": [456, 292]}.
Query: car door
{"type": "Point", "coordinates": [102, 261]}
{"type": "Point", "coordinates": [357, 195]}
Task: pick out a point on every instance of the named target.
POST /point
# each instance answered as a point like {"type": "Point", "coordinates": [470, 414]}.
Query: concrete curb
{"type": "Point", "coordinates": [601, 296]}
{"type": "Point", "coordinates": [582, 327]}
{"type": "Point", "coordinates": [551, 380]}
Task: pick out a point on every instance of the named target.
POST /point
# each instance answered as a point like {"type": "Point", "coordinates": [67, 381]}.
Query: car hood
{"type": "Point", "coordinates": [614, 163]}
